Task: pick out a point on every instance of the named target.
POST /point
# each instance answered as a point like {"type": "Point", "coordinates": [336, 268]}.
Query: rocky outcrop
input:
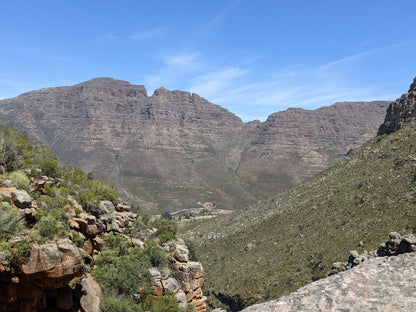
{"type": "Point", "coordinates": [189, 276]}
{"type": "Point", "coordinates": [30, 286]}
{"type": "Point", "coordinates": [379, 284]}
{"type": "Point", "coordinates": [400, 112]}
{"type": "Point", "coordinates": [88, 293]}
{"type": "Point", "coordinates": [396, 245]}
{"type": "Point", "coordinates": [174, 148]}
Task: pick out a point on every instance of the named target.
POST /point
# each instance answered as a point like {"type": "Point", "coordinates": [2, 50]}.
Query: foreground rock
{"type": "Point", "coordinates": [189, 277]}
{"type": "Point", "coordinates": [50, 268]}
{"type": "Point", "coordinates": [379, 284]}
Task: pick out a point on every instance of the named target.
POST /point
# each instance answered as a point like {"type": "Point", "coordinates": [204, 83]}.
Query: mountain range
{"type": "Point", "coordinates": [174, 149]}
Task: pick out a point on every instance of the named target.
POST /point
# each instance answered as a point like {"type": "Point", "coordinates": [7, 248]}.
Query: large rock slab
{"type": "Point", "coordinates": [21, 199]}
{"type": "Point", "coordinates": [90, 294]}
{"type": "Point", "coordinates": [379, 284]}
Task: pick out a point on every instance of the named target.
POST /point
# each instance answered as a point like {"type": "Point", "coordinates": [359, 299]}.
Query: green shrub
{"type": "Point", "coordinates": [49, 228]}
{"type": "Point", "coordinates": [146, 219]}
{"type": "Point", "coordinates": [166, 303]}
{"type": "Point", "coordinates": [156, 255]}
{"type": "Point", "coordinates": [77, 211]}
{"type": "Point", "coordinates": [121, 304]}
{"type": "Point", "coordinates": [55, 206]}
{"type": "Point", "coordinates": [22, 251]}
{"type": "Point", "coordinates": [16, 149]}
{"type": "Point", "coordinates": [11, 222]}
{"type": "Point", "coordinates": [20, 180]}
{"type": "Point", "coordinates": [49, 190]}
{"type": "Point", "coordinates": [76, 238]}
{"type": "Point", "coordinates": [47, 161]}
{"type": "Point", "coordinates": [122, 275]}
{"type": "Point", "coordinates": [166, 230]}
{"type": "Point", "coordinates": [118, 242]}
{"type": "Point", "coordinates": [94, 192]}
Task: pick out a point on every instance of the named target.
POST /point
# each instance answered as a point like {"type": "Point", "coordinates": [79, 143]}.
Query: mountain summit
{"type": "Point", "coordinates": [174, 149]}
{"type": "Point", "coordinates": [399, 112]}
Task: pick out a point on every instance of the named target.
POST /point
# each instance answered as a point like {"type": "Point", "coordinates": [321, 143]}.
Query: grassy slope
{"type": "Point", "coordinates": [300, 232]}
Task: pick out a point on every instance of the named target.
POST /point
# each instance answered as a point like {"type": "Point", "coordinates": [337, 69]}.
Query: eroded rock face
{"type": "Point", "coordinates": [379, 284]}
{"type": "Point", "coordinates": [50, 267]}
{"type": "Point", "coordinates": [188, 278]}
{"type": "Point", "coordinates": [400, 112]}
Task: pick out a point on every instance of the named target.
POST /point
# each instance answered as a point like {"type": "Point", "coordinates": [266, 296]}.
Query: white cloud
{"type": "Point", "coordinates": [110, 36]}
{"type": "Point", "coordinates": [149, 33]}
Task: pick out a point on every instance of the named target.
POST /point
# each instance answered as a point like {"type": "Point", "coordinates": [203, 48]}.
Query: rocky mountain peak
{"type": "Point", "coordinates": [413, 86]}
{"type": "Point", "coordinates": [400, 112]}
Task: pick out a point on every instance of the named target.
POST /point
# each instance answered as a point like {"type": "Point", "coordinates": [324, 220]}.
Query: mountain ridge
{"type": "Point", "coordinates": [174, 148]}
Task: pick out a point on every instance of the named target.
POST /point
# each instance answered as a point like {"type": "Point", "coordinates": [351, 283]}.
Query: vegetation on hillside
{"type": "Point", "coordinates": [280, 244]}
{"type": "Point", "coordinates": [121, 269]}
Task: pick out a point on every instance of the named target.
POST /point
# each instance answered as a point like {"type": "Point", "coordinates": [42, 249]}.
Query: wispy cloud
{"type": "Point", "coordinates": [110, 36]}
{"type": "Point", "coordinates": [174, 68]}
{"type": "Point", "coordinates": [149, 33]}
{"type": "Point", "coordinates": [219, 17]}
{"type": "Point", "coordinates": [213, 83]}
{"type": "Point", "coordinates": [362, 55]}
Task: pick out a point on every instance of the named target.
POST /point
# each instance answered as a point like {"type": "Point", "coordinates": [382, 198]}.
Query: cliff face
{"type": "Point", "coordinates": [173, 149]}
{"type": "Point", "coordinates": [399, 112]}
{"type": "Point", "coordinates": [293, 145]}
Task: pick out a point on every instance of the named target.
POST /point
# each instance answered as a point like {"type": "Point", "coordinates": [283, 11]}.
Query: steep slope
{"type": "Point", "coordinates": [273, 247]}
{"type": "Point", "coordinates": [173, 149]}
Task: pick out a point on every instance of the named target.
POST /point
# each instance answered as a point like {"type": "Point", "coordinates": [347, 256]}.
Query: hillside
{"type": "Point", "coordinates": [173, 149]}
{"type": "Point", "coordinates": [277, 245]}
{"type": "Point", "coordinates": [67, 243]}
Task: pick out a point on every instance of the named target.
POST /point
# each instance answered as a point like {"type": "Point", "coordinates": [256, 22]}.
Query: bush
{"type": "Point", "coordinates": [76, 238]}
{"type": "Point", "coordinates": [22, 251]}
{"type": "Point", "coordinates": [156, 255]}
{"type": "Point", "coordinates": [15, 149]}
{"type": "Point", "coordinates": [11, 222]}
{"type": "Point", "coordinates": [50, 228]}
{"type": "Point", "coordinates": [94, 192]}
{"type": "Point", "coordinates": [20, 180]}
{"type": "Point", "coordinates": [122, 275]}
{"type": "Point", "coordinates": [166, 230]}
{"type": "Point", "coordinates": [121, 304]}
{"type": "Point", "coordinates": [46, 161]}
{"type": "Point", "coordinates": [166, 303]}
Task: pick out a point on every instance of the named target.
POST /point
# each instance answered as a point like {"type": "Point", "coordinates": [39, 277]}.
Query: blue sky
{"type": "Point", "coordinates": [251, 57]}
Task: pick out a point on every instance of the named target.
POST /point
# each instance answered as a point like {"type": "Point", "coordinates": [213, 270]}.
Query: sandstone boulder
{"type": "Point", "coordinates": [105, 207]}
{"type": "Point", "coordinates": [90, 294]}
{"type": "Point", "coordinates": [21, 199]}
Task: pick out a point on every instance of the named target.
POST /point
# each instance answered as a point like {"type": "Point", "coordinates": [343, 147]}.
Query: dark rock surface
{"type": "Point", "coordinates": [173, 149]}
{"type": "Point", "coordinates": [379, 284]}
{"type": "Point", "coordinates": [400, 112]}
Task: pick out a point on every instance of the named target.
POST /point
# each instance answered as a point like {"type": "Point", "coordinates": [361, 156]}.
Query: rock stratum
{"type": "Point", "coordinates": [173, 149]}
{"type": "Point", "coordinates": [379, 284]}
